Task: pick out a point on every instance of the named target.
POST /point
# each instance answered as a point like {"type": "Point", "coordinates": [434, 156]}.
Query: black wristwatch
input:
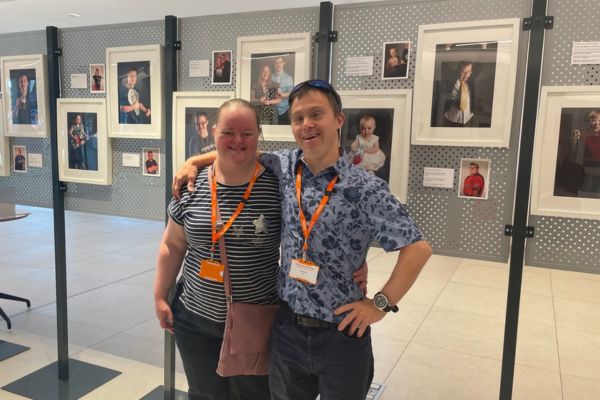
{"type": "Point", "coordinates": [382, 303]}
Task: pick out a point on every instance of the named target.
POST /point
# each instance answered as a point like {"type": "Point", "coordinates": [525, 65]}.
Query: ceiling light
{"type": "Point", "coordinates": [74, 15]}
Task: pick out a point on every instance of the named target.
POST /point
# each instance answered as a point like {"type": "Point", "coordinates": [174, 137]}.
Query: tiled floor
{"type": "Point", "coordinates": [445, 343]}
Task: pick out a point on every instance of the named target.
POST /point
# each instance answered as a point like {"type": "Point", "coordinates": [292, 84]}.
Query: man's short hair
{"type": "Point", "coordinates": [473, 164]}
{"type": "Point", "coordinates": [324, 87]}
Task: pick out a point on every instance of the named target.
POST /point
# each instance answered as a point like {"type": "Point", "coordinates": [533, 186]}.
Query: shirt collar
{"type": "Point", "coordinates": [339, 167]}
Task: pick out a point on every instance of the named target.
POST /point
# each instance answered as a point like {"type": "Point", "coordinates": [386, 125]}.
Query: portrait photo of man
{"type": "Point", "coordinates": [272, 77]}
{"type": "Point", "coordinates": [20, 159]}
{"type": "Point", "coordinates": [151, 162]}
{"type": "Point", "coordinates": [578, 154]}
{"type": "Point", "coordinates": [198, 138]}
{"type": "Point", "coordinates": [24, 97]}
{"type": "Point", "coordinates": [134, 92]}
{"type": "Point", "coordinates": [474, 178]}
{"type": "Point", "coordinates": [463, 89]}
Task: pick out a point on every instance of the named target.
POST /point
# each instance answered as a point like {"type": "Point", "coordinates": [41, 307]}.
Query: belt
{"type": "Point", "coordinates": [308, 322]}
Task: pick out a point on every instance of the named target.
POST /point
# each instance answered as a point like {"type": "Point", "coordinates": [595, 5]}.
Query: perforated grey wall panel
{"type": "Point", "coordinates": [201, 35]}
{"type": "Point", "coordinates": [454, 226]}
{"type": "Point", "coordinates": [34, 187]}
{"type": "Point", "coordinates": [567, 242]}
{"type": "Point", "coordinates": [131, 193]}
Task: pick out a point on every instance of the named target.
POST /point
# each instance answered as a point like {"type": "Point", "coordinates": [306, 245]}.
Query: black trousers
{"type": "Point", "coordinates": [310, 361]}
{"type": "Point", "coordinates": [199, 343]}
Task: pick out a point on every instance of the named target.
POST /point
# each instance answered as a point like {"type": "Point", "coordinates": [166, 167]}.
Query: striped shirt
{"type": "Point", "coordinates": [252, 244]}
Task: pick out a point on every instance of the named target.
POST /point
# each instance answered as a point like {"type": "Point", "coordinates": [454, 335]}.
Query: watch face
{"type": "Point", "coordinates": [380, 301]}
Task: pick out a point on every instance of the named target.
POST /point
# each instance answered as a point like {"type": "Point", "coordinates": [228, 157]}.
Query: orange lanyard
{"type": "Point", "coordinates": [216, 235]}
{"type": "Point", "coordinates": [306, 231]}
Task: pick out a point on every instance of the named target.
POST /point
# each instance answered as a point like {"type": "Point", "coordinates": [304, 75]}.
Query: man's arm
{"type": "Point", "coordinates": [363, 313]}
{"type": "Point", "coordinates": [189, 170]}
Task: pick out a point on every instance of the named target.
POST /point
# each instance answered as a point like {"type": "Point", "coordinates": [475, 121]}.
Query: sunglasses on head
{"type": "Point", "coordinates": [316, 84]}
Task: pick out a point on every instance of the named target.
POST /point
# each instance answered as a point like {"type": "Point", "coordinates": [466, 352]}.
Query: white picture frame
{"type": "Point", "coordinates": [398, 66]}
{"type": "Point", "coordinates": [185, 103]}
{"type": "Point", "coordinates": [89, 158]}
{"type": "Point", "coordinates": [4, 152]}
{"type": "Point", "coordinates": [128, 115]}
{"type": "Point", "coordinates": [394, 106]}
{"type": "Point", "coordinates": [256, 52]}
{"type": "Point", "coordinates": [488, 50]}
{"type": "Point", "coordinates": [32, 116]}
{"type": "Point", "coordinates": [561, 188]}
{"type": "Point", "coordinates": [97, 78]}
{"type": "Point", "coordinates": [151, 170]}
{"type": "Point", "coordinates": [22, 166]}
{"type": "Point", "coordinates": [484, 167]}
{"type": "Point", "coordinates": [226, 67]}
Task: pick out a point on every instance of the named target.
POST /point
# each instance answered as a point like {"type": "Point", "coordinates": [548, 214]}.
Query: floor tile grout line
{"type": "Point", "coordinates": [419, 327]}
{"type": "Point", "coordinates": [560, 379]}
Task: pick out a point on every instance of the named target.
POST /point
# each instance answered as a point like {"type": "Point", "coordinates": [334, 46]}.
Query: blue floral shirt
{"type": "Point", "coordinates": [360, 210]}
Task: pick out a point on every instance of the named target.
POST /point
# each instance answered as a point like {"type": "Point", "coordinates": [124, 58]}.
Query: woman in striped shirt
{"type": "Point", "coordinates": [197, 314]}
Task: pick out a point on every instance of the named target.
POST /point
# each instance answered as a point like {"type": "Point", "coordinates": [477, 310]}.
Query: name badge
{"type": "Point", "coordinates": [304, 271]}
{"type": "Point", "coordinates": [211, 270]}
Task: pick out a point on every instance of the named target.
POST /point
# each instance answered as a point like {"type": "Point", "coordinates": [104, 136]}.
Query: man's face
{"type": "Point", "coordinates": [465, 72]}
{"type": "Point", "coordinates": [131, 79]}
{"type": "Point", "coordinates": [23, 84]}
{"type": "Point", "coordinates": [201, 123]}
{"type": "Point", "coordinates": [150, 155]}
{"type": "Point", "coordinates": [279, 63]}
{"type": "Point", "coordinates": [595, 123]}
{"type": "Point", "coordinates": [315, 126]}
{"type": "Point", "coordinates": [19, 152]}
{"type": "Point", "coordinates": [473, 169]}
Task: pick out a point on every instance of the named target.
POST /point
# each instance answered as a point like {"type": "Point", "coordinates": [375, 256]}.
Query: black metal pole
{"type": "Point", "coordinates": [324, 39]}
{"type": "Point", "coordinates": [58, 204]}
{"type": "Point", "coordinates": [171, 46]}
{"type": "Point", "coordinates": [537, 26]}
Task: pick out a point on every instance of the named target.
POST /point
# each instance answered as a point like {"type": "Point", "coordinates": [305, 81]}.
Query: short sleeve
{"type": "Point", "coordinates": [391, 224]}
{"type": "Point", "coordinates": [176, 208]}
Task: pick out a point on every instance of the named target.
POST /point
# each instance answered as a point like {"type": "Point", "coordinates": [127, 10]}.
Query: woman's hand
{"type": "Point", "coordinates": [164, 314]}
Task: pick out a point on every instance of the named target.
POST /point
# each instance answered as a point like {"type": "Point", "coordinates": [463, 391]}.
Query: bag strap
{"type": "Point", "coordinates": [222, 250]}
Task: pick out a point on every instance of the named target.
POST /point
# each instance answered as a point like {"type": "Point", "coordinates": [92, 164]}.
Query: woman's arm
{"type": "Point", "coordinates": [170, 256]}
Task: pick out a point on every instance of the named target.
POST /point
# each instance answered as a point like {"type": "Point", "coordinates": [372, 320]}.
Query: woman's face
{"type": "Point", "coordinates": [265, 73]}
{"type": "Point", "coordinates": [393, 52]}
{"type": "Point", "coordinates": [236, 136]}
{"type": "Point", "coordinates": [77, 120]}
{"type": "Point", "coordinates": [219, 62]}
{"type": "Point", "coordinates": [97, 71]}
{"type": "Point", "coordinates": [595, 122]}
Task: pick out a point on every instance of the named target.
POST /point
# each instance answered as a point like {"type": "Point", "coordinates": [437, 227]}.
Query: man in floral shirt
{"type": "Point", "coordinates": [321, 340]}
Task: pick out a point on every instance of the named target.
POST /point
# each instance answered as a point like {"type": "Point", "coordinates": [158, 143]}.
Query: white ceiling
{"type": "Point", "coordinates": [34, 15]}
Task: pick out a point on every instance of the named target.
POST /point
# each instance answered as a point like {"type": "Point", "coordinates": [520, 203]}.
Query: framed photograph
{"type": "Point", "coordinates": [396, 56]}
{"type": "Point", "coordinates": [376, 134]}
{"type": "Point", "coordinates": [474, 178]}
{"type": "Point", "coordinates": [135, 80]}
{"type": "Point", "coordinates": [24, 95]}
{"type": "Point", "coordinates": [19, 159]}
{"type": "Point", "coordinates": [84, 150]}
{"type": "Point", "coordinates": [465, 83]}
{"type": "Point", "coordinates": [4, 157]}
{"type": "Point", "coordinates": [221, 70]}
{"type": "Point", "coordinates": [151, 165]}
{"type": "Point", "coordinates": [268, 68]}
{"type": "Point", "coordinates": [566, 157]}
{"type": "Point", "coordinates": [194, 114]}
{"type": "Point", "coordinates": [97, 78]}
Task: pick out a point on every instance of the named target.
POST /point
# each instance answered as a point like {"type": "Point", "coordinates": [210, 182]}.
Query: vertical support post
{"type": "Point", "coordinates": [58, 204]}
{"type": "Point", "coordinates": [324, 41]}
{"type": "Point", "coordinates": [532, 89]}
{"type": "Point", "coordinates": [171, 47]}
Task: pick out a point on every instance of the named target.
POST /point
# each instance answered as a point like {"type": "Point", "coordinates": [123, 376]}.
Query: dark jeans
{"type": "Point", "coordinates": [199, 343]}
{"type": "Point", "coordinates": [310, 361]}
